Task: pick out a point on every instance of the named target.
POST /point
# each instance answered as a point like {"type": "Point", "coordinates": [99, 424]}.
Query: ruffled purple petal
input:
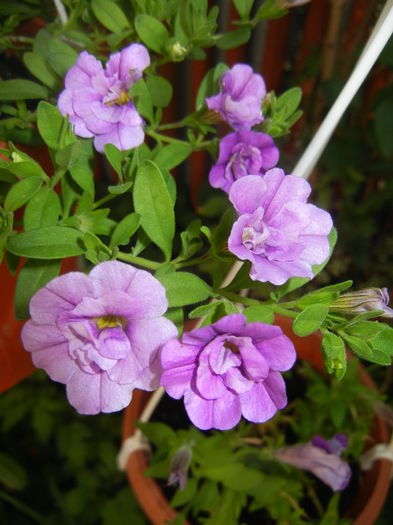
{"type": "Point", "coordinates": [222, 413]}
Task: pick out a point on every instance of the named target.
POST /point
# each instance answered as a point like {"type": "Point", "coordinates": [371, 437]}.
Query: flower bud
{"type": "Point", "coordinates": [363, 301]}
{"type": "Point", "coordinates": [179, 466]}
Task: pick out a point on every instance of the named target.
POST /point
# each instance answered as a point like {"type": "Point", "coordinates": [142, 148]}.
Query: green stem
{"type": "Point", "coordinates": [57, 177]}
{"type": "Point", "coordinates": [235, 298]}
{"type": "Point", "coordinates": [164, 138]}
{"type": "Point", "coordinates": [22, 507]}
{"type": "Point", "coordinates": [139, 261]}
{"type": "Point", "coordinates": [180, 124]}
{"type": "Point", "coordinates": [192, 262]}
{"type": "Point", "coordinates": [105, 199]}
{"type": "Point", "coordinates": [283, 311]}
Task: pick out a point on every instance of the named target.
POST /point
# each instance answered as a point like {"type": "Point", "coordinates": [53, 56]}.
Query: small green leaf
{"type": "Point", "coordinates": [21, 192]}
{"type": "Point", "coordinates": [209, 84]}
{"type": "Point", "coordinates": [333, 353]}
{"type": "Point", "coordinates": [53, 242]}
{"type": "Point", "coordinates": [172, 155]}
{"type": "Point", "coordinates": [205, 309]}
{"type": "Point", "coordinates": [358, 346]}
{"type": "Point", "coordinates": [82, 171]}
{"type": "Point", "coordinates": [54, 130]}
{"type": "Point", "coordinates": [152, 32]}
{"type": "Point", "coordinates": [233, 38]}
{"type": "Point", "coordinates": [39, 67]}
{"type": "Point", "coordinates": [110, 15]}
{"type": "Point", "coordinates": [120, 188]}
{"type": "Point", "coordinates": [61, 56]}
{"type": "Point", "coordinates": [184, 288]}
{"type": "Point", "coordinates": [261, 314]}
{"type": "Point", "coordinates": [114, 157]}
{"type": "Point", "coordinates": [289, 101]}
{"type": "Point", "coordinates": [310, 319]}
{"type": "Point", "coordinates": [12, 474]}
{"type": "Point", "coordinates": [69, 155]}
{"type": "Point", "coordinates": [243, 7]}
{"type": "Point", "coordinates": [160, 90]}
{"type": "Point", "coordinates": [42, 210]}
{"type": "Point", "coordinates": [20, 89]}
{"type": "Point", "coordinates": [34, 275]}
{"type": "Point", "coordinates": [125, 229]}
{"type": "Point", "coordinates": [154, 204]}
{"type": "Point", "coordinates": [142, 99]}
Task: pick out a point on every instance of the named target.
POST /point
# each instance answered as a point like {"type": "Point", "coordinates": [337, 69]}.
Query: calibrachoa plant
{"type": "Point", "coordinates": [116, 323]}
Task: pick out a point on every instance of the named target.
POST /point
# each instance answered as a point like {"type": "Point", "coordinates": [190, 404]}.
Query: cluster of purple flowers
{"type": "Point", "coordinates": [277, 230]}
{"type": "Point", "coordinates": [104, 334]}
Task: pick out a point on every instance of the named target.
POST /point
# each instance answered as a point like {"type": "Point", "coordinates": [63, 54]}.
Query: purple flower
{"type": "Point", "coordinates": [322, 458]}
{"type": "Point", "coordinates": [240, 99]}
{"type": "Point", "coordinates": [97, 100]}
{"type": "Point", "coordinates": [277, 230]}
{"type": "Point", "coordinates": [100, 334]}
{"type": "Point", "coordinates": [227, 370]}
{"type": "Point", "coordinates": [242, 153]}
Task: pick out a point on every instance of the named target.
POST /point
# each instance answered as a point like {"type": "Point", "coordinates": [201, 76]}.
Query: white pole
{"type": "Point", "coordinates": [377, 41]}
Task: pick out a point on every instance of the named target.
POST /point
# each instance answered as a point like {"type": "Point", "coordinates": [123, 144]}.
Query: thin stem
{"type": "Point", "coordinates": [22, 507]}
{"type": "Point", "coordinates": [139, 261]}
{"type": "Point", "coordinates": [57, 177]}
{"type": "Point", "coordinates": [238, 298]}
{"type": "Point", "coordinates": [192, 262]}
{"type": "Point", "coordinates": [180, 124]}
{"type": "Point", "coordinates": [104, 200]}
{"type": "Point", "coordinates": [283, 311]}
{"type": "Point", "coordinates": [164, 138]}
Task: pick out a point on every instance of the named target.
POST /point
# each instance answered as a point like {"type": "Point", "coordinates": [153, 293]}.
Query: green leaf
{"type": "Point", "coordinates": [34, 275]}
{"type": "Point", "coordinates": [125, 229]}
{"type": "Point", "coordinates": [61, 56]}
{"type": "Point", "coordinates": [154, 204]}
{"type": "Point", "coordinates": [184, 288]}
{"type": "Point", "coordinates": [39, 67]}
{"type": "Point", "coordinates": [243, 7]}
{"type": "Point", "coordinates": [333, 353]}
{"type": "Point", "coordinates": [69, 155]}
{"type": "Point", "coordinates": [21, 192]}
{"type": "Point", "coordinates": [82, 171]}
{"type": "Point", "coordinates": [270, 9]}
{"type": "Point", "coordinates": [233, 38]}
{"type": "Point", "coordinates": [120, 188]}
{"type": "Point", "coordinates": [205, 309]}
{"type": "Point", "coordinates": [52, 242]}
{"type": "Point", "coordinates": [42, 210]}
{"type": "Point", "coordinates": [160, 90]}
{"type": "Point", "coordinates": [326, 295]}
{"type": "Point", "coordinates": [358, 346]}
{"type": "Point", "coordinates": [20, 89]}
{"type": "Point", "coordinates": [184, 496]}
{"type": "Point", "coordinates": [289, 101]}
{"type": "Point", "coordinates": [24, 166]}
{"type": "Point", "coordinates": [310, 319]}
{"type": "Point", "coordinates": [114, 157]}
{"type": "Point", "coordinates": [209, 85]}
{"type": "Point", "coordinates": [152, 32]}
{"type": "Point", "coordinates": [142, 99]}
{"type": "Point", "coordinates": [172, 155]}
{"type": "Point", "coordinates": [54, 130]}
{"type": "Point", "coordinates": [12, 474]}
{"type": "Point", "coordinates": [110, 15]}
{"type": "Point", "coordinates": [261, 313]}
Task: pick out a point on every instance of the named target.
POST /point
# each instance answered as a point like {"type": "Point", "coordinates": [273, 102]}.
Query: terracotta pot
{"type": "Point", "coordinates": [15, 362]}
{"type": "Point", "coordinates": [373, 484]}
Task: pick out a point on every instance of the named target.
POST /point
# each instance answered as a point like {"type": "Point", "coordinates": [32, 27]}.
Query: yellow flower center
{"type": "Point", "coordinates": [110, 321]}
{"type": "Point", "coordinates": [120, 101]}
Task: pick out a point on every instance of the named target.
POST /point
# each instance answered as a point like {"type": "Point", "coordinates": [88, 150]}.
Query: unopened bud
{"type": "Point", "coordinates": [179, 466]}
{"type": "Point", "coordinates": [363, 301]}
